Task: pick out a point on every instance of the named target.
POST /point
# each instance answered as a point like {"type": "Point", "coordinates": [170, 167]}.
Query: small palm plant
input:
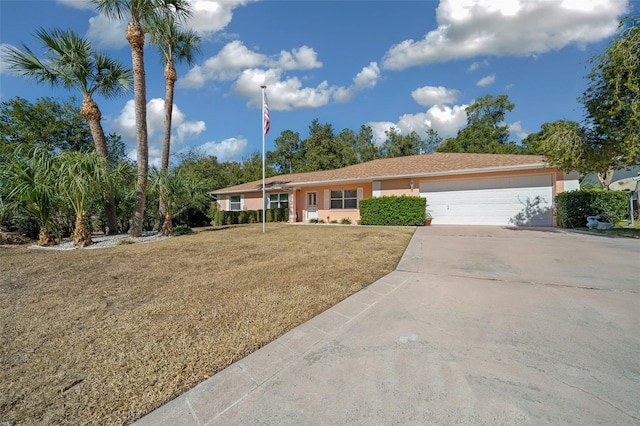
{"type": "Point", "coordinates": [172, 185]}
{"type": "Point", "coordinates": [29, 185]}
{"type": "Point", "coordinates": [82, 176]}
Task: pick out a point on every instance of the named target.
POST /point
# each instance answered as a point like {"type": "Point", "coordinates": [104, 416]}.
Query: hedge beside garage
{"type": "Point", "coordinates": [573, 207]}
{"type": "Point", "coordinates": [393, 210]}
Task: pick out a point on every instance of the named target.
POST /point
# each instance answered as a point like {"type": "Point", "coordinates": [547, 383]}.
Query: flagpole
{"type": "Point", "coordinates": [264, 200]}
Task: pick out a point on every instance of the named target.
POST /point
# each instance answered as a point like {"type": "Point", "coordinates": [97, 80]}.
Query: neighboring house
{"type": "Point", "coordinates": [461, 189]}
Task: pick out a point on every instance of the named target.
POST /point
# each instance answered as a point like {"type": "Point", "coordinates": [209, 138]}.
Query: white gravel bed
{"type": "Point", "coordinates": [102, 241]}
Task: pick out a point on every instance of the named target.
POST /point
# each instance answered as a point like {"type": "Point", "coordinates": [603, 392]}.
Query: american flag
{"type": "Point", "coordinates": [265, 108]}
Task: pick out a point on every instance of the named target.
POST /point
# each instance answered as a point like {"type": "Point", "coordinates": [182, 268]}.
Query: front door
{"type": "Point", "coordinates": [312, 205]}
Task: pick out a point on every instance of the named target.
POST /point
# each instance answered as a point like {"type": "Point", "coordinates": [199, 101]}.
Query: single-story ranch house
{"type": "Point", "coordinates": [460, 188]}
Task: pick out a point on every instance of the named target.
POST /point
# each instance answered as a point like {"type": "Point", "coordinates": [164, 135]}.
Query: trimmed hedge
{"type": "Point", "coordinates": [573, 207]}
{"type": "Point", "coordinates": [393, 210]}
{"type": "Point", "coordinates": [223, 217]}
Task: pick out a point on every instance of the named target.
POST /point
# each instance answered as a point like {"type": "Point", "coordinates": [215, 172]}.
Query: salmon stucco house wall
{"type": "Point", "coordinates": [461, 189]}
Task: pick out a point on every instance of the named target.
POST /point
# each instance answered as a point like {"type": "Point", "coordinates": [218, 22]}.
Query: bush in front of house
{"type": "Point", "coordinates": [181, 230]}
{"type": "Point", "coordinates": [223, 217]}
{"type": "Point", "coordinates": [573, 207]}
{"type": "Point", "coordinates": [393, 210]}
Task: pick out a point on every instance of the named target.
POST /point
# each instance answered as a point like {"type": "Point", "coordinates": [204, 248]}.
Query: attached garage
{"type": "Point", "coordinates": [523, 200]}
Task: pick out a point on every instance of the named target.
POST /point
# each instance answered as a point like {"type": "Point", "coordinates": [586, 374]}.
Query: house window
{"type": "Point", "coordinates": [235, 202]}
{"type": "Point", "coordinates": [278, 201]}
{"type": "Point", "coordinates": [344, 199]}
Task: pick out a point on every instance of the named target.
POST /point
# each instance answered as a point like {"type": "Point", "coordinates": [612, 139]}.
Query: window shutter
{"type": "Point", "coordinates": [360, 195]}
{"type": "Point", "coordinates": [242, 202]}
{"type": "Point", "coordinates": [228, 206]}
{"type": "Point", "coordinates": [327, 199]}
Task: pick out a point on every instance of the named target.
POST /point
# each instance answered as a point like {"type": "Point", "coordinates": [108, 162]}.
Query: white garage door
{"type": "Point", "coordinates": [518, 200]}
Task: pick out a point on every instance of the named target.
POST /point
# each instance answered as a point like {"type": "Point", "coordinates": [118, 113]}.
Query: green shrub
{"type": "Point", "coordinates": [221, 217]}
{"type": "Point", "coordinates": [334, 221]}
{"type": "Point", "coordinates": [573, 207]}
{"type": "Point", "coordinates": [126, 241]}
{"type": "Point", "coordinates": [181, 230]}
{"type": "Point", "coordinates": [393, 211]}
{"type": "Point", "coordinates": [313, 220]}
{"type": "Point", "coordinates": [218, 218]}
{"type": "Point", "coordinates": [346, 221]}
{"type": "Point", "coordinates": [243, 216]}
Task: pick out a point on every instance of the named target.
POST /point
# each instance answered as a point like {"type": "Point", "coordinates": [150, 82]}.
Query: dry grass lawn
{"type": "Point", "coordinates": [105, 336]}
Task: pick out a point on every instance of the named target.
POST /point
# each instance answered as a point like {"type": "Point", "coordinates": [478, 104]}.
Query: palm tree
{"type": "Point", "coordinates": [81, 177]}
{"type": "Point", "coordinates": [70, 62]}
{"type": "Point", "coordinates": [174, 45]}
{"type": "Point", "coordinates": [29, 185]}
{"type": "Point", "coordinates": [139, 13]}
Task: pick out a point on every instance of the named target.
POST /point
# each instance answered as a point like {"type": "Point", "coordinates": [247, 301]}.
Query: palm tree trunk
{"type": "Point", "coordinates": [81, 235]}
{"type": "Point", "coordinates": [170, 77]}
{"type": "Point", "coordinates": [167, 226]}
{"type": "Point", "coordinates": [45, 238]}
{"type": "Point", "coordinates": [92, 114]}
{"type": "Point", "coordinates": [135, 37]}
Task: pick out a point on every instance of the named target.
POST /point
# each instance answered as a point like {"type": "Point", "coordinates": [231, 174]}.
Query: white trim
{"type": "Point", "coordinates": [376, 186]}
{"type": "Point", "coordinates": [327, 199]}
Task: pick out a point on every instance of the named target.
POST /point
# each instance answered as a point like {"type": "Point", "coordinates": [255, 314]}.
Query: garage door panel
{"type": "Point", "coordinates": [485, 202]}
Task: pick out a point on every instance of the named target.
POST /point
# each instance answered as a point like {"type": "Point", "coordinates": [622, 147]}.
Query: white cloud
{"type": "Point", "coordinates": [303, 58]}
{"type": "Point", "coordinates": [445, 120]}
{"type": "Point", "coordinates": [226, 65]}
{"type": "Point", "coordinates": [249, 69]}
{"type": "Point", "coordinates": [209, 16]}
{"type": "Point", "coordinates": [516, 129]}
{"type": "Point", "coordinates": [379, 128]}
{"type": "Point", "coordinates": [125, 125]}
{"type": "Point", "coordinates": [486, 81]}
{"type": "Point", "coordinates": [4, 66]}
{"type": "Point", "coordinates": [365, 79]}
{"type": "Point", "coordinates": [469, 28]}
{"type": "Point", "coordinates": [434, 95]}
{"type": "Point", "coordinates": [226, 150]}
{"type": "Point", "coordinates": [478, 64]}
{"type": "Point", "coordinates": [107, 34]}
{"type": "Point", "coordinates": [235, 57]}
{"type": "Point", "coordinates": [284, 94]}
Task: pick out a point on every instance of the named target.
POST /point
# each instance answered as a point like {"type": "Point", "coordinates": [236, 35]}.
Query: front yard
{"type": "Point", "coordinates": [105, 336]}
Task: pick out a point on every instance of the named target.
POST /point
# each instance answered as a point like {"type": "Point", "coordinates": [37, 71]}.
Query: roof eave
{"type": "Point", "coordinates": [289, 185]}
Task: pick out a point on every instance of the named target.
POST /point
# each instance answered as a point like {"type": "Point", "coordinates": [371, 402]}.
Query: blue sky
{"type": "Point", "coordinates": [408, 64]}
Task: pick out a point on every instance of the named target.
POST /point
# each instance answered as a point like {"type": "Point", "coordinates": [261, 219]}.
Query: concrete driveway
{"type": "Point", "coordinates": [478, 325]}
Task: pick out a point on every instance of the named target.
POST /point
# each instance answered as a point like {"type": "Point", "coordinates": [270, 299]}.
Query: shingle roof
{"type": "Point", "coordinates": [389, 168]}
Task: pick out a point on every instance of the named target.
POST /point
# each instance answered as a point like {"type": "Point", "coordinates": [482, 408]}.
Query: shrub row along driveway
{"type": "Point", "coordinates": [477, 325]}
